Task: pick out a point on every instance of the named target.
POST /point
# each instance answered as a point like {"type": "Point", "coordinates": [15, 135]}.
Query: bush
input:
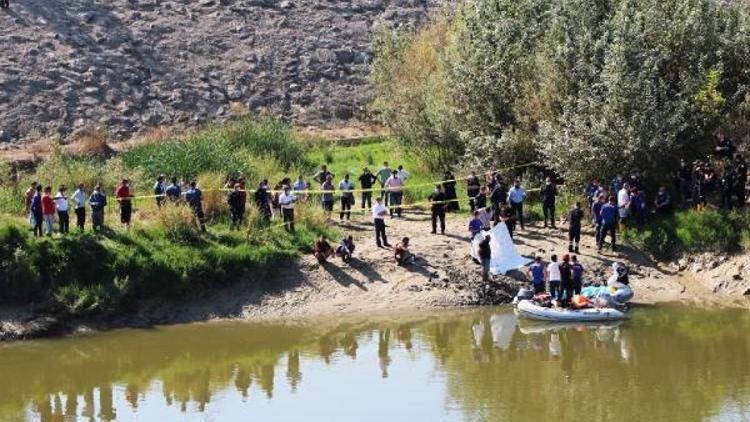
{"type": "Point", "coordinates": [179, 223]}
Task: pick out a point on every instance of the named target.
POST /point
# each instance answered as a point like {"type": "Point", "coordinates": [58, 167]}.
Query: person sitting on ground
{"type": "Point", "coordinates": [345, 249]}
{"type": "Point", "coordinates": [402, 254]}
{"type": "Point", "coordinates": [663, 201]}
{"type": "Point", "coordinates": [475, 225]}
{"type": "Point", "coordinates": [536, 273]}
{"type": "Point", "coordinates": [485, 257]}
{"type": "Point", "coordinates": [322, 250]}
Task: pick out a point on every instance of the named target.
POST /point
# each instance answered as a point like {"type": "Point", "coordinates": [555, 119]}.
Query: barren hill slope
{"type": "Point", "coordinates": [127, 64]}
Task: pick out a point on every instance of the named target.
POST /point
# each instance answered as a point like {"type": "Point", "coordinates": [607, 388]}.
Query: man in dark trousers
{"type": "Point", "coordinates": [472, 189]}
{"type": "Point", "coordinates": [437, 199]}
{"type": "Point", "coordinates": [740, 182]}
{"type": "Point", "coordinates": [485, 257]}
{"type": "Point", "coordinates": [574, 227]}
{"type": "Point", "coordinates": [366, 181]}
{"type": "Point", "coordinates": [608, 215]}
{"type": "Point", "coordinates": [566, 282]}
{"type": "Point", "coordinates": [236, 206]}
{"type": "Point", "coordinates": [549, 195]}
{"type": "Point", "coordinates": [4, 4]}
{"type": "Point", "coordinates": [379, 211]}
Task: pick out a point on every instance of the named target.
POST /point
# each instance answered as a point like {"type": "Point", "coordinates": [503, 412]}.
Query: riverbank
{"type": "Point", "coordinates": [443, 277]}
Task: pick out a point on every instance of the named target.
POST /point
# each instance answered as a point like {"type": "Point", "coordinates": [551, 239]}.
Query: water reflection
{"type": "Point", "coordinates": [666, 364]}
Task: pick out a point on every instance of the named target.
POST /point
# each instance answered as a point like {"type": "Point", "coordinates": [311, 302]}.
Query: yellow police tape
{"type": "Point", "coordinates": [318, 191]}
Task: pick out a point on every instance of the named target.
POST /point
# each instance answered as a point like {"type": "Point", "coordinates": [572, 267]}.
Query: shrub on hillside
{"type": "Point", "coordinates": [179, 223]}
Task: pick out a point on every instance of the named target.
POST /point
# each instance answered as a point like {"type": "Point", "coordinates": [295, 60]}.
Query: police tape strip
{"type": "Point", "coordinates": [318, 191]}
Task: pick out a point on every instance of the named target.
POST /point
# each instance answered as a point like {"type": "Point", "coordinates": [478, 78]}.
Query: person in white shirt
{"type": "Point", "coordinates": [554, 277]}
{"type": "Point", "coordinates": [623, 204]}
{"type": "Point", "coordinates": [79, 198]}
{"type": "Point", "coordinates": [286, 201]}
{"type": "Point", "coordinates": [379, 211]}
{"type": "Point", "coordinates": [347, 198]}
{"type": "Point", "coordinates": [394, 186]}
{"type": "Point", "coordinates": [61, 204]}
{"type": "Point", "coordinates": [402, 174]}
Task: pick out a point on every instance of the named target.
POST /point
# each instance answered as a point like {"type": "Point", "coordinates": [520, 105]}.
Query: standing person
{"type": "Point", "coordinates": [549, 196]}
{"type": "Point", "coordinates": [4, 4]}
{"type": "Point", "coordinates": [286, 201]}
{"type": "Point", "coordinates": [740, 168]}
{"type": "Point", "coordinates": [724, 146]}
{"type": "Point", "coordinates": [366, 181]}
{"type": "Point", "coordinates": [475, 225]}
{"type": "Point", "coordinates": [262, 200]}
{"type": "Point", "coordinates": [536, 272]}
{"type": "Point", "coordinates": [662, 202]}
{"type": "Point", "coordinates": [577, 275]}
{"type": "Point", "coordinates": [728, 188]}
{"type": "Point", "coordinates": [236, 206]}
{"type": "Point", "coordinates": [402, 253]}
{"type": "Point", "coordinates": [437, 199]}
{"type": "Point", "coordinates": [498, 197]}
{"type": "Point", "coordinates": [27, 196]}
{"type": "Point", "coordinates": [575, 217]}
{"type": "Point", "coordinates": [473, 186]}
{"type": "Point", "coordinates": [596, 212]}
{"type": "Point", "coordinates": [507, 216]}
{"type": "Point", "coordinates": [122, 195]}
{"type": "Point", "coordinates": [159, 190]}
{"type": "Point", "coordinates": [486, 217]}
{"type": "Point", "coordinates": [383, 175]}
{"type": "Point", "coordinates": [193, 197]}
{"type": "Point", "coordinates": [347, 198]}
{"type": "Point", "coordinates": [616, 184]}
{"type": "Point", "coordinates": [97, 202]}
{"type": "Point", "coordinates": [35, 208]}
{"type": "Point", "coordinates": [638, 206]}
{"type": "Point", "coordinates": [685, 182]}
{"type": "Point", "coordinates": [516, 196]}
{"type": "Point", "coordinates": [592, 192]}
{"type": "Point", "coordinates": [552, 273]}
{"type": "Point", "coordinates": [402, 174]}
{"type": "Point", "coordinates": [243, 192]}
{"type": "Point", "coordinates": [485, 257]}
{"type": "Point", "coordinates": [61, 203]}
{"type": "Point", "coordinates": [48, 210]}
{"type": "Point", "coordinates": [327, 197]}
{"type": "Point", "coordinates": [394, 186]}
{"type": "Point", "coordinates": [173, 192]}
{"type": "Point", "coordinates": [480, 200]}
{"type": "Point", "coordinates": [299, 185]}
{"type": "Point", "coordinates": [79, 197]}
{"type": "Point", "coordinates": [379, 211]}
{"type": "Point", "coordinates": [623, 205]}
{"type": "Point", "coordinates": [609, 223]}
{"type": "Point", "coordinates": [566, 281]}
{"type": "Point", "coordinates": [449, 184]}
{"type": "Point", "coordinates": [323, 174]}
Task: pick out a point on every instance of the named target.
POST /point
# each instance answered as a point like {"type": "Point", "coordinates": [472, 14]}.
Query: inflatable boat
{"type": "Point", "coordinates": [528, 309]}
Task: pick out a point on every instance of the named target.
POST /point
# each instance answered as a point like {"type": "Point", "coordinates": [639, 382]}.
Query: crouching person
{"type": "Point", "coordinates": [322, 250]}
{"type": "Point", "coordinates": [345, 249]}
{"type": "Point", "coordinates": [403, 255]}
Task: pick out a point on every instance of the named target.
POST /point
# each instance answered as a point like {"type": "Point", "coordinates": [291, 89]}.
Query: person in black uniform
{"type": "Point", "coordinates": [566, 281]}
{"type": "Point", "coordinates": [480, 201]}
{"type": "Point", "coordinates": [549, 195]}
{"type": "Point", "coordinates": [472, 189]}
{"type": "Point", "coordinates": [4, 4]}
{"type": "Point", "coordinates": [574, 227]}
{"type": "Point", "coordinates": [740, 182]}
{"type": "Point", "coordinates": [437, 198]}
{"type": "Point", "coordinates": [449, 184]}
{"type": "Point", "coordinates": [366, 180]}
{"type": "Point", "coordinates": [728, 188]}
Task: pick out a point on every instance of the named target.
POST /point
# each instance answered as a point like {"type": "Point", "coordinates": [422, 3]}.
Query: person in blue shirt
{"type": "Point", "coordinates": [173, 191]}
{"type": "Point", "coordinates": [36, 211]}
{"type": "Point", "coordinates": [577, 275]}
{"type": "Point", "coordinates": [596, 211]}
{"type": "Point", "coordinates": [475, 225]}
{"type": "Point", "coordinates": [536, 272]}
{"type": "Point", "coordinates": [193, 197]}
{"type": "Point", "coordinates": [638, 206]}
{"type": "Point", "coordinates": [159, 190]}
{"type": "Point", "coordinates": [516, 196]}
{"type": "Point", "coordinates": [609, 223]}
{"type": "Point", "coordinates": [616, 184]}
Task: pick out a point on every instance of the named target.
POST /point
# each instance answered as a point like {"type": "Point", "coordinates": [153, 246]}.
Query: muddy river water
{"type": "Point", "coordinates": [667, 363]}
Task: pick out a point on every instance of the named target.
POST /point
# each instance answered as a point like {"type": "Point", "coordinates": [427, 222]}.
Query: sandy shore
{"type": "Point", "coordinates": [444, 276]}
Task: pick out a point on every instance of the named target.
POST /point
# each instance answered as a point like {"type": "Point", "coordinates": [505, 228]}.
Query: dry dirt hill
{"type": "Point", "coordinates": [128, 64]}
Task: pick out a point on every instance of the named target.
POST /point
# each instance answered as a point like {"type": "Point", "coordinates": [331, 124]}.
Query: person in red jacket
{"type": "Point", "coordinates": [122, 195]}
{"type": "Point", "coordinates": [48, 210]}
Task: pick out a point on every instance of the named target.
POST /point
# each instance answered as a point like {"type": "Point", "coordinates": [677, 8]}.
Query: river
{"type": "Point", "coordinates": [668, 363]}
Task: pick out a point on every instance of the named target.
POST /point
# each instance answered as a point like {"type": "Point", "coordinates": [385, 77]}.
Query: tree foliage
{"type": "Point", "coordinates": [589, 87]}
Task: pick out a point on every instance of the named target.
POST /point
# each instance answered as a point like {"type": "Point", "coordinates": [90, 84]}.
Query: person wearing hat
{"type": "Point", "coordinates": [286, 202]}
{"type": "Point", "coordinates": [61, 203]}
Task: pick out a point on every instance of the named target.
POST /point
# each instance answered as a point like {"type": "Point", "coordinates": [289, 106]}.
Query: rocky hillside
{"type": "Point", "coordinates": [66, 65]}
